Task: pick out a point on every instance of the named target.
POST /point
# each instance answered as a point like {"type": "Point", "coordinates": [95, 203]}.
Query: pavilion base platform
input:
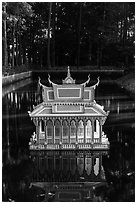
{"type": "Point", "coordinates": [97, 146]}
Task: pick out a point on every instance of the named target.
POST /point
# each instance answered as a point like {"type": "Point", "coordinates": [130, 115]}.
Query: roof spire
{"type": "Point", "coordinates": [68, 74]}
{"type": "Point", "coordinates": [68, 79]}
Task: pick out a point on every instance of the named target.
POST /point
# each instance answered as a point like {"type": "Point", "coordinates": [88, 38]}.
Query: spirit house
{"type": "Point", "coordinates": [68, 117]}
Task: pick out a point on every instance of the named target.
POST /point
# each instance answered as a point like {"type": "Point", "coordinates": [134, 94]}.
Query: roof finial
{"type": "Point", "coordinates": [68, 79]}
{"type": "Point", "coordinates": [86, 81]}
{"type": "Point", "coordinates": [68, 74]}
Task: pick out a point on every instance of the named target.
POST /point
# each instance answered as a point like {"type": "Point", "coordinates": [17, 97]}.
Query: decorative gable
{"type": "Point", "coordinates": [46, 110]}
{"type": "Point", "coordinates": [68, 93]}
{"type": "Point", "coordinates": [68, 79]}
{"type": "Point", "coordinates": [67, 108]}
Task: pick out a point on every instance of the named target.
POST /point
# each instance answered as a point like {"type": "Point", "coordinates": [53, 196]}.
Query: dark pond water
{"type": "Point", "coordinates": [68, 175]}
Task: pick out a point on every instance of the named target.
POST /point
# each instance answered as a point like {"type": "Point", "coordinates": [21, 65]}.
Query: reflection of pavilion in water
{"type": "Point", "coordinates": [67, 166]}
{"type": "Point", "coordinates": [69, 175]}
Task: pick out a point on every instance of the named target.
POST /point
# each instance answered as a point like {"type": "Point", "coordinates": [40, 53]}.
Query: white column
{"type": "Point", "coordinates": [37, 129]}
{"type": "Point", "coordinates": [97, 128]}
{"type": "Point", "coordinates": [54, 132]}
{"type": "Point", "coordinates": [84, 131]}
{"type": "Point", "coordinates": [61, 136]}
{"type": "Point", "coordinates": [45, 130]}
{"type": "Point", "coordinates": [100, 132]}
{"type": "Point", "coordinates": [69, 130]}
{"type": "Point", "coordinates": [76, 131]}
{"type": "Point", "coordinates": [93, 130]}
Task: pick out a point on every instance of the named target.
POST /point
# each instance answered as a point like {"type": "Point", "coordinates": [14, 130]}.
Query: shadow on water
{"type": "Point", "coordinates": [68, 175]}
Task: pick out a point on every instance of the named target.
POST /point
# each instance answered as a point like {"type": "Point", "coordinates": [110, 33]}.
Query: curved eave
{"type": "Point", "coordinates": [100, 109]}
{"type": "Point", "coordinates": [96, 84]}
{"type": "Point", "coordinates": [46, 111]}
{"type": "Point", "coordinates": [51, 103]}
{"type": "Point", "coordinates": [83, 84]}
{"type": "Point", "coordinates": [66, 115]}
{"type": "Point", "coordinates": [36, 110]}
{"type": "Point", "coordinates": [42, 84]}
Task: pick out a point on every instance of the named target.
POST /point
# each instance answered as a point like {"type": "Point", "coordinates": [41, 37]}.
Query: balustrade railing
{"type": "Point", "coordinates": [88, 140]}
{"type": "Point", "coordinates": [81, 140]}
{"type": "Point", "coordinates": [68, 146]}
{"type": "Point", "coordinates": [72, 140]}
{"type": "Point", "coordinates": [53, 146]}
{"type": "Point", "coordinates": [64, 141]}
{"type": "Point", "coordinates": [96, 145]}
{"type": "Point", "coordinates": [84, 146]}
{"type": "Point", "coordinates": [96, 140]}
{"type": "Point", "coordinates": [101, 146]}
{"type": "Point", "coordinates": [50, 141]}
{"type": "Point", "coordinates": [57, 141]}
{"type": "Point", "coordinates": [41, 141]}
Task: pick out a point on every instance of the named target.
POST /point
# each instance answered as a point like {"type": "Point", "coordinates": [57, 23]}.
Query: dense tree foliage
{"type": "Point", "coordinates": [68, 33]}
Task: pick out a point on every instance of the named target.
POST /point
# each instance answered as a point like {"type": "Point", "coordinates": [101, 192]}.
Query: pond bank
{"type": "Point", "coordinates": [127, 82]}
{"type": "Point", "coordinates": [6, 80]}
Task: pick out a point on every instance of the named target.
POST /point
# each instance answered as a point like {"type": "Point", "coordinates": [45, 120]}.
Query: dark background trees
{"type": "Point", "coordinates": [50, 34]}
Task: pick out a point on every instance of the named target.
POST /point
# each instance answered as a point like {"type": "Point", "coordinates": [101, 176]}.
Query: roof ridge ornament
{"type": "Point", "coordinates": [40, 84]}
{"type": "Point", "coordinates": [85, 83]}
{"type": "Point", "coordinates": [68, 74]}
{"type": "Point", "coordinates": [68, 79]}
{"type": "Point", "coordinates": [51, 81]}
{"type": "Point", "coordinates": [94, 86]}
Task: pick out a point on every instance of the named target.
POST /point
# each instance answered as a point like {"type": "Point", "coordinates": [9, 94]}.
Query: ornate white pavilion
{"type": "Point", "coordinates": [68, 117]}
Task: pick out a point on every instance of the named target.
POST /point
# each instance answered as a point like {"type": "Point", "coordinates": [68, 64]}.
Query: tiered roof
{"type": "Point", "coordinates": [68, 99]}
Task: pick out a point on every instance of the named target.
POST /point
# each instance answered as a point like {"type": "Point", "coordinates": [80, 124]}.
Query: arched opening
{"type": "Point", "coordinates": [42, 126]}
{"type": "Point", "coordinates": [88, 131]}
{"type": "Point", "coordinates": [42, 132]}
{"type": "Point", "coordinates": [94, 125]}
{"type": "Point", "coordinates": [80, 132]}
{"type": "Point", "coordinates": [96, 166]}
{"type": "Point", "coordinates": [88, 165]}
{"type": "Point", "coordinates": [49, 132]}
{"type": "Point", "coordinates": [57, 131]}
{"type": "Point", "coordinates": [80, 165]}
{"type": "Point", "coordinates": [96, 130]}
{"type": "Point", "coordinates": [65, 133]}
{"type": "Point", "coordinates": [72, 132]}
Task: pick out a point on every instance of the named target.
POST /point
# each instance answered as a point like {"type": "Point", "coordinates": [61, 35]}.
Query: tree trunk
{"type": "Point", "coordinates": [48, 47]}
{"type": "Point", "coordinates": [125, 7]}
{"type": "Point", "coordinates": [13, 47]}
{"type": "Point", "coordinates": [121, 30]}
{"type": "Point", "coordinates": [17, 48]}
{"type": "Point", "coordinates": [101, 53]}
{"type": "Point", "coordinates": [41, 57]}
{"type": "Point", "coordinates": [22, 44]}
{"type": "Point", "coordinates": [5, 36]}
{"type": "Point", "coordinates": [90, 50]}
{"type": "Point", "coordinates": [20, 61]}
{"type": "Point", "coordinates": [118, 38]}
{"type": "Point", "coordinates": [98, 57]}
{"type": "Point", "coordinates": [125, 24]}
{"type": "Point", "coordinates": [79, 35]}
{"type": "Point", "coordinates": [24, 53]}
{"type": "Point", "coordinates": [19, 45]}
{"type": "Point", "coordinates": [53, 34]}
{"type": "Point", "coordinates": [33, 50]}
